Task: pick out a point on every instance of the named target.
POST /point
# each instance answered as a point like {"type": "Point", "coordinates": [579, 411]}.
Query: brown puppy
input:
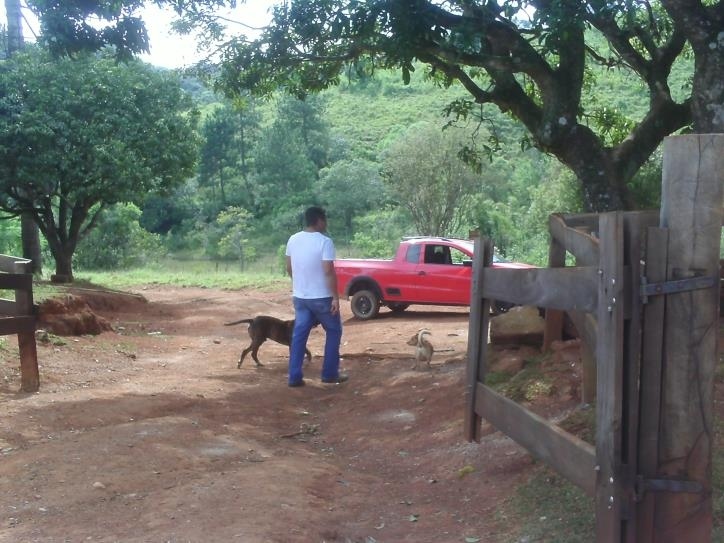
{"type": "Point", "coordinates": [423, 348]}
{"type": "Point", "coordinates": [262, 328]}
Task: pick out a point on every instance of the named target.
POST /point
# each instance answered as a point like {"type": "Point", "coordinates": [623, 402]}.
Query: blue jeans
{"type": "Point", "coordinates": [308, 312]}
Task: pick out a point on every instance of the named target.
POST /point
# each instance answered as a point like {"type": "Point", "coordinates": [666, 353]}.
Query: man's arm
{"type": "Point", "coordinates": [289, 265]}
{"type": "Point", "coordinates": [331, 277]}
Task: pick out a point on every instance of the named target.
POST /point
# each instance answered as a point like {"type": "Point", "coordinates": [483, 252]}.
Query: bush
{"type": "Point", "coordinates": [10, 239]}
{"type": "Point", "coordinates": [118, 241]}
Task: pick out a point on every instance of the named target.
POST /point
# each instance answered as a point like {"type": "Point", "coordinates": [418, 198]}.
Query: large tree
{"type": "Point", "coordinates": [423, 172]}
{"type": "Point", "coordinates": [528, 58]}
{"type": "Point", "coordinates": [79, 135]}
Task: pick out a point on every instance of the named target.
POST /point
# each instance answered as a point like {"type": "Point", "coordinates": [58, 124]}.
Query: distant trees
{"type": "Point", "coordinates": [288, 156]}
{"type": "Point", "coordinates": [225, 158]}
{"type": "Point", "coordinates": [423, 173]}
{"type": "Point", "coordinates": [350, 188]}
{"type": "Point", "coordinates": [79, 135]}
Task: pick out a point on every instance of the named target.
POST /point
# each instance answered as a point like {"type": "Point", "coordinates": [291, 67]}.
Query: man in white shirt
{"type": "Point", "coordinates": [310, 263]}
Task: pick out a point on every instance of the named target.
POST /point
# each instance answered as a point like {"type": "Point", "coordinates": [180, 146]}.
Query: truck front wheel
{"type": "Point", "coordinates": [365, 304]}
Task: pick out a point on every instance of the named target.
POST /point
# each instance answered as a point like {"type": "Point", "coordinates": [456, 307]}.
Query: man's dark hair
{"type": "Point", "coordinates": [313, 214]}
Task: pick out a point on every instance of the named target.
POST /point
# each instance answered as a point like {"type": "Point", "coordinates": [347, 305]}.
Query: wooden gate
{"type": "Point", "coordinates": [639, 278]}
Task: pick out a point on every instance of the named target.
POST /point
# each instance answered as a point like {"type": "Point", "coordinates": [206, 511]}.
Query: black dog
{"type": "Point", "coordinates": [262, 328]}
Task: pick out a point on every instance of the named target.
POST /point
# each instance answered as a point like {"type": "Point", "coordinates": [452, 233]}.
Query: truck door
{"type": "Point", "coordinates": [442, 276]}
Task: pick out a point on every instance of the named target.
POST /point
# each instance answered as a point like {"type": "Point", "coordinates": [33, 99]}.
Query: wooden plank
{"type": "Point", "coordinates": [579, 243]}
{"type": "Point", "coordinates": [570, 456]}
{"type": "Point", "coordinates": [9, 263]}
{"type": "Point", "coordinates": [29, 373]}
{"type": "Point", "coordinates": [692, 197]}
{"type": "Point", "coordinates": [587, 220]}
{"type": "Point", "coordinates": [14, 325]}
{"type": "Point", "coordinates": [477, 336]}
{"type": "Point", "coordinates": [554, 317]}
{"type": "Point", "coordinates": [585, 324]}
{"type": "Point", "coordinates": [24, 299]}
{"type": "Point", "coordinates": [16, 281]}
{"type": "Point", "coordinates": [633, 232]}
{"type": "Point", "coordinates": [8, 307]}
{"type": "Point", "coordinates": [558, 288]}
{"type": "Point", "coordinates": [651, 373]}
{"type": "Point", "coordinates": [609, 372]}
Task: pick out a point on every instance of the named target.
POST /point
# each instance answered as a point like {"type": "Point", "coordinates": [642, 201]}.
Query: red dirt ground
{"type": "Point", "coordinates": [150, 433]}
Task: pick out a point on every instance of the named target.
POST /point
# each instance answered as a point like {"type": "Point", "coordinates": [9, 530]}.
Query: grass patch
{"type": "Point", "coordinates": [582, 424]}
{"type": "Point", "coordinates": [188, 273]}
{"type": "Point", "coordinates": [549, 509]}
{"type": "Point", "coordinates": [526, 385]}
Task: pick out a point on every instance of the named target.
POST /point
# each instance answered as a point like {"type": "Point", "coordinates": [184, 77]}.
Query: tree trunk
{"type": "Point", "coordinates": [63, 267]}
{"type": "Point", "coordinates": [708, 90]}
{"type": "Point", "coordinates": [15, 19]}
{"type": "Point", "coordinates": [31, 242]}
{"type": "Point", "coordinates": [28, 227]}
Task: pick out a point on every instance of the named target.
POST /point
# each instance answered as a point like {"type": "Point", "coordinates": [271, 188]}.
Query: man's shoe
{"type": "Point", "coordinates": [341, 378]}
{"type": "Point", "coordinates": [297, 384]}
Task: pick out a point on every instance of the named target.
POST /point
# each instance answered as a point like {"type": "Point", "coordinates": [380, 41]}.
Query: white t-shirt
{"type": "Point", "coordinates": [307, 251]}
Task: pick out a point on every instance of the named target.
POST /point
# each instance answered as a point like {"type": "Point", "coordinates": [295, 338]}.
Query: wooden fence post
{"type": "Point", "coordinates": [29, 373]}
{"type": "Point", "coordinates": [554, 317]}
{"type": "Point", "coordinates": [692, 212]}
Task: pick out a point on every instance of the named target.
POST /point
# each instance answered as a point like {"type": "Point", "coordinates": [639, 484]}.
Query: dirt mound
{"type": "Point", "coordinates": [109, 300]}
{"type": "Point", "coordinates": [70, 315]}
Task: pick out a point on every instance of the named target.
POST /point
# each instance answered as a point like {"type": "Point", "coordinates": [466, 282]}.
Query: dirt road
{"type": "Point", "coordinates": [151, 433]}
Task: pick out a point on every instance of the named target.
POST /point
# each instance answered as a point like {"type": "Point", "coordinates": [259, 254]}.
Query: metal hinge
{"type": "Point", "coordinates": [665, 485]}
{"type": "Point", "coordinates": [672, 287]}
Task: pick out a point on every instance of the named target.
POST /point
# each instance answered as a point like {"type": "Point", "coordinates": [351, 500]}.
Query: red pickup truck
{"type": "Point", "coordinates": [425, 270]}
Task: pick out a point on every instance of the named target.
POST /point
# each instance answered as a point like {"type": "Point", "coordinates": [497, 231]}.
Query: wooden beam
{"type": "Point", "coordinates": [609, 380]}
{"type": "Point", "coordinates": [585, 324]}
{"type": "Point", "coordinates": [16, 281]}
{"type": "Point", "coordinates": [586, 220]}
{"type": "Point", "coordinates": [651, 378]}
{"type": "Point", "coordinates": [8, 308]}
{"type": "Point", "coordinates": [15, 325]}
{"type": "Point", "coordinates": [29, 373]}
{"type": "Point", "coordinates": [580, 244]}
{"type": "Point", "coordinates": [692, 209]}
{"type": "Point", "coordinates": [9, 264]}
{"type": "Point", "coordinates": [634, 228]}
{"type": "Point", "coordinates": [570, 456]}
{"type": "Point", "coordinates": [554, 317]}
{"type": "Point", "coordinates": [558, 288]}
{"type": "Point", "coordinates": [478, 327]}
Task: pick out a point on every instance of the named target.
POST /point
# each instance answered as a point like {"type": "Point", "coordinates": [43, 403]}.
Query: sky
{"type": "Point", "coordinates": [169, 50]}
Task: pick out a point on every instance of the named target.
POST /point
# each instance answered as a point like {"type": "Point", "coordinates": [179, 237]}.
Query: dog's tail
{"type": "Point", "coordinates": [421, 333]}
{"type": "Point", "coordinates": [238, 322]}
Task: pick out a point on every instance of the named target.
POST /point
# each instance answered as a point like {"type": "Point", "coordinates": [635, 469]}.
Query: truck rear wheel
{"type": "Point", "coordinates": [365, 304]}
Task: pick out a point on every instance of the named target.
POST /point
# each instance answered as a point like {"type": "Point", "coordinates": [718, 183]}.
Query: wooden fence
{"type": "Point", "coordinates": [18, 316]}
{"type": "Point", "coordinates": [643, 297]}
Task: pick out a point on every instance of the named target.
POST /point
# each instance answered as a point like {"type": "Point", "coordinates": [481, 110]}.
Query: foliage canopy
{"type": "Point", "coordinates": [79, 135]}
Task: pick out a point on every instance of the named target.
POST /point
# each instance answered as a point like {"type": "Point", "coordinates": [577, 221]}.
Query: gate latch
{"type": "Point", "coordinates": [673, 287]}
